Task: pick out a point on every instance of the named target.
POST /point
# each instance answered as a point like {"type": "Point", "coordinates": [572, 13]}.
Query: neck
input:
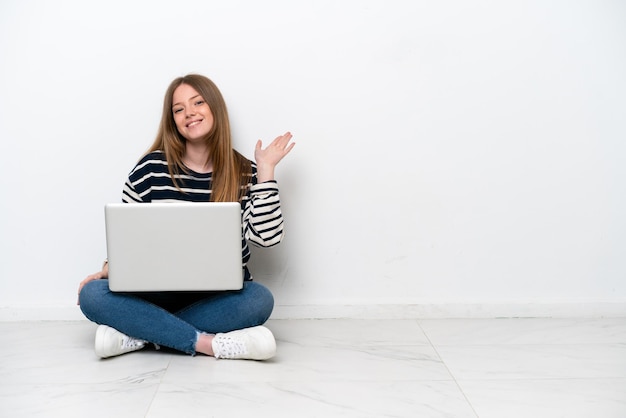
{"type": "Point", "coordinates": [197, 158]}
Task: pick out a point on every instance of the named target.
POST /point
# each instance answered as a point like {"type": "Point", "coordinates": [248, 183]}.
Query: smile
{"type": "Point", "coordinates": [194, 123]}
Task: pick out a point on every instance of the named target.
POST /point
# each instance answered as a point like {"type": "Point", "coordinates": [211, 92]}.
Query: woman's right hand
{"type": "Point", "coordinates": [103, 274]}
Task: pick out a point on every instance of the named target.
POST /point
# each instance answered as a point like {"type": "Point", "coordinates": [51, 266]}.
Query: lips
{"type": "Point", "coordinates": [193, 123]}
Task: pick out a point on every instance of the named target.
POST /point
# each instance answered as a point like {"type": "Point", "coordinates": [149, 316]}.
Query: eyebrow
{"type": "Point", "coordinates": [179, 104]}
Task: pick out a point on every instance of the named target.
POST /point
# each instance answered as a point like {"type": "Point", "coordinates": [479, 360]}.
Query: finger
{"type": "Point", "coordinates": [259, 145]}
{"type": "Point", "coordinates": [89, 278]}
{"type": "Point", "coordinates": [78, 294]}
{"type": "Point", "coordinates": [289, 148]}
{"type": "Point", "coordinates": [283, 140]}
{"type": "Point", "coordinates": [287, 137]}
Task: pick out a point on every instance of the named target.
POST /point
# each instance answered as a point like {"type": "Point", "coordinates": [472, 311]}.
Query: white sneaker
{"type": "Point", "coordinates": [256, 343]}
{"type": "Point", "coordinates": [110, 342]}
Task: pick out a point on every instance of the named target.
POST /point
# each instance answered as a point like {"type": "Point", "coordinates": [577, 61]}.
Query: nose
{"type": "Point", "coordinates": [189, 112]}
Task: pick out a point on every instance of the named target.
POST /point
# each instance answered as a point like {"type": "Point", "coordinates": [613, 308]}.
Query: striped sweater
{"type": "Point", "coordinates": [262, 220]}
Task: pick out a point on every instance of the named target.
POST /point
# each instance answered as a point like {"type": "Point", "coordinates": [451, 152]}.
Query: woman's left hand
{"type": "Point", "coordinates": [268, 158]}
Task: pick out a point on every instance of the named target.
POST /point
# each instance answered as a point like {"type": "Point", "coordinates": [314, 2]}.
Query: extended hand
{"type": "Point", "coordinates": [268, 158]}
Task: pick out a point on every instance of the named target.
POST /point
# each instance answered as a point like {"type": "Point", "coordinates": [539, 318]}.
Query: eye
{"type": "Point", "coordinates": [177, 110]}
{"type": "Point", "coordinates": [199, 102]}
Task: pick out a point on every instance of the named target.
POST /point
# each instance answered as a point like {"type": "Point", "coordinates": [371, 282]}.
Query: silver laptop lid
{"type": "Point", "coordinates": [174, 246]}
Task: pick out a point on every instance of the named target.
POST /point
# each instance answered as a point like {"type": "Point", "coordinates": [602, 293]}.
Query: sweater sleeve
{"type": "Point", "coordinates": [139, 181]}
{"type": "Point", "coordinates": [130, 194]}
{"type": "Point", "coordinates": [262, 217]}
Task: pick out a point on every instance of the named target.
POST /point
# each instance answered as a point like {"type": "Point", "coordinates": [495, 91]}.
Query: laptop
{"type": "Point", "coordinates": [153, 247]}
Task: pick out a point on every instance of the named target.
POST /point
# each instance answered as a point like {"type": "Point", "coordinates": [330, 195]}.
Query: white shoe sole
{"type": "Point", "coordinates": [100, 347]}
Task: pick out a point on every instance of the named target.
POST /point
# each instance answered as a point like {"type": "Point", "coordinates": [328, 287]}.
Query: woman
{"type": "Point", "coordinates": [192, 159]}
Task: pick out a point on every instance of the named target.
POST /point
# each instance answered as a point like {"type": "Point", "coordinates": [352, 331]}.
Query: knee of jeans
{"type": "Point", "coordinates": [265, 301]}
{"type": "Point", "coordinates": [92, 295]}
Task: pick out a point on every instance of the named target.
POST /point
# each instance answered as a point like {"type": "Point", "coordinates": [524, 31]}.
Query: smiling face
{"type": "Point", "coordinates": [192, 114]}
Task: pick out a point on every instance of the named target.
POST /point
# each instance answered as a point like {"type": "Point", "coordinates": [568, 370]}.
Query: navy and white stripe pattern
{"type": "Point", "coordinates": [262, 219]}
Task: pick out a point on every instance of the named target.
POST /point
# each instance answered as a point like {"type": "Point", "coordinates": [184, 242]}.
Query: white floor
{"type": "Point", "coordinates": [500, 368]}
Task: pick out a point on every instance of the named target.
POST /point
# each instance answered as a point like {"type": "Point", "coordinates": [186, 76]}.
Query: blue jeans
{"type": "Point", "coordinates": [175, 319]}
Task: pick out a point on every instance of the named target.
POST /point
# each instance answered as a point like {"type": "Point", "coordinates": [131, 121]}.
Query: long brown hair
{"type": "Point", "coordinates": [231, 170]}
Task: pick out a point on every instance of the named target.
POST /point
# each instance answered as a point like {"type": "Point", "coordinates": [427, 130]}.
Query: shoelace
{"type": "Point", "coordinates": [229, 347]}
{"type": "Point", "coordinates": [129, 343]}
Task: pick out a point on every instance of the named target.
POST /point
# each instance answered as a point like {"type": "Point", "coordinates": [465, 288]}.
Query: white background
{"type": "Point", "coordinates": [448, 153]}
